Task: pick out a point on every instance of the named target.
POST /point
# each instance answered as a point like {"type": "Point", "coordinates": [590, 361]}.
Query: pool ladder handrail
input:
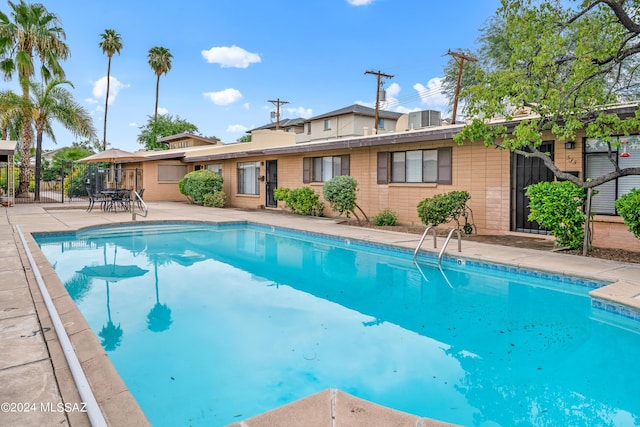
{"type": "Point", "coordinates": [435, 242]}
{"type": "Point", "coordinates": [137, 200]}
{"type": "Point", "coordinates": [446, 242]}
{"type": "Point", "coordinates": [424, 235]}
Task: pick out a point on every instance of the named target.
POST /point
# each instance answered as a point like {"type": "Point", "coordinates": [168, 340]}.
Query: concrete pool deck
{"type": "Point", "coordinates": [36, 381]}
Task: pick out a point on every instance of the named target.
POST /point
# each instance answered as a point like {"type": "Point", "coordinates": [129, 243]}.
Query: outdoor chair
{"type": "Point", "coordinates": [118, 200]}
{"type": "Point", "coordinates": [93, 198]}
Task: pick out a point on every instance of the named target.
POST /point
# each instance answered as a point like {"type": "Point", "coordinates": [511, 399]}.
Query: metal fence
{"type": "Point", "coordinates": [71, 182]}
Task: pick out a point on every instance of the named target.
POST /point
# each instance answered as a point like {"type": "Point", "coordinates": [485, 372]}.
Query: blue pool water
{"type": "Point", "coordinates": [211, 324]}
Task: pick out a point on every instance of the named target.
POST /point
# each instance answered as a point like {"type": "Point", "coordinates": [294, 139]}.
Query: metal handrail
{"type": "Point", "coordinates": [136, 199]}
{"type": "Point", "coordinates": [446, 242]}
{"type": "Point", "coordinates": [424, 235]}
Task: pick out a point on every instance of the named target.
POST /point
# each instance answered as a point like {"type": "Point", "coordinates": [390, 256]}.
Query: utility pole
{"type": "Point", "coordinates": [380, 75]}
{"type": "Point", "coordinates": [461, 57]}
{"type": "Point", "coordinates": [277, 103]}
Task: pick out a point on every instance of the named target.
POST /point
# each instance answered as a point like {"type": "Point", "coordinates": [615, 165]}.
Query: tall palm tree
{"type": "Point", "coordinates": [111, 43]}
{"type": "Point", "coordinates": [160, 61]}
{"type": "Point", "coordinates": [30, 31]}
{"type": "Point", "coordinates": [47, 103]}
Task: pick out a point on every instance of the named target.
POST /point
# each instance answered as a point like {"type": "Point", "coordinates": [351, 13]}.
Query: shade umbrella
{"type": "Point", "coordinates": [112, 155]}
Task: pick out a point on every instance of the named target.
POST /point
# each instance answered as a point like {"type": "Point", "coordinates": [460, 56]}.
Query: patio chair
{"type": "Point", "coordinates": [93, 198]}
{"type": "Point", "coordinates": [119, 199]}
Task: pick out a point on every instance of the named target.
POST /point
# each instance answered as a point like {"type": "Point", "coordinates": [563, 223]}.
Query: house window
{"type": "Point", "coordinates": [327, 124]}
{"type": "Point", "coordinates": [171, 173]}
{"type": "Point", "coordinates": [216, 167]}
{"type": "Point", "coordinates": [309, 128]}
{"type": "Point", "coordinates": [322, 169]}
{"type": "Point", "coordinates": [380, 123]}
{"type": "Point", "coordinates": [416, 166]}
{"type": "Point", "coordinates": [248, 175]}
{"type": "Point", "coordinates": [597, 163]}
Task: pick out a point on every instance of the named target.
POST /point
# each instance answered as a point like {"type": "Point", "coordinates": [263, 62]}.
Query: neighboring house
{"type": "Point", "coordinates": [397, 170]}
{"type": "Point", "coordinates": [354, 120]}
{"type": "Point", "coordinates": [186, 140]}
{"type": "Point", "coordinates": [288, 125]}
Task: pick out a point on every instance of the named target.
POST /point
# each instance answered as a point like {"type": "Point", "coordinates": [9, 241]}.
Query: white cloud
{"type": "Point", "coordinates": [100, 88]}
{"type": "Point", "coordinates": [236, 128]}
{"type": "Point", "coordinates": [359, 2]}
{"type": "Point", "coordinates": [246, 106]}
{"type": "Point", "coordinates": [133, 125]}
{"type": "Point", "coordinates": [432, 95]}
{"type": "Point", "coordinates": [162, 111]}
{"type": "Point", "coordinates": [233, 56]}
{"type": "Point", "coordinates": [224, 97]}
{"type": "Point", "coordinates": [90, 101]}
{"type": "Point", "coordinates": [366, 104]}
{"type": "Point", "coordinates": [300, 112]}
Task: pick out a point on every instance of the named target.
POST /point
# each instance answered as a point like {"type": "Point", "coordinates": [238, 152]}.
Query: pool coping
{"type": "Point", "coordinates": [118, 404]}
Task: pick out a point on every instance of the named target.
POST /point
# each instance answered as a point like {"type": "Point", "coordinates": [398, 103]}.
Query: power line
{"type": "Point", "coordinates": [277, 103]}
{"type": "Point", "coordinates": [462, 57]}
{"type": "Point", "coordinates": [380, 75]}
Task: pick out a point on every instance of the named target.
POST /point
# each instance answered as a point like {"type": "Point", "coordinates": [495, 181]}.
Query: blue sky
{"type": "Point", "coordinates": [231, 56]}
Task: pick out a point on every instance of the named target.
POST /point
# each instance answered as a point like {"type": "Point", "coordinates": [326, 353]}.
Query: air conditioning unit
{"type": "Point", "coordinates": [424, 118]}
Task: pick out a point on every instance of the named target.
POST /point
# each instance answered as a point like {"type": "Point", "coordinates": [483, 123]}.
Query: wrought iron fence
{"type": "Point", "coordinates": [70, 182]}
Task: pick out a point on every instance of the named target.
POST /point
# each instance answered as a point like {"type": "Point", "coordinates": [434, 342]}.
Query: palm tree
{"type": "Point", "coordinates": [47, 103]}
{"type": "Point", "coordinates": [31, 31]}
{"type": "Point", "coordinates": [160, 61]}
{"type": "Point", "coordinates": [111, 43]}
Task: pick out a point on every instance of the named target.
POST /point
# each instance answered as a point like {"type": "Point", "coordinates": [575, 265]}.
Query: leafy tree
{"type": "Point", "coordinates": [29, 31]}
{"type": "Point", "coordinates": [163, 125]}
{"type": "Point", "coordinates": [69, 154]}
{"type": "Point", "coordinates": [92, 145]}
{"type": "Point", "coordinates": [244, 138]}
{"type": "Point", "coordinates": [48, 103]}
{"type": "Point", "coordinates": [565, 63]}
{"type": "Point", "coordinates": [494, 53]}
{"type": "Point", "coordinates": [160, 61]}
{"type": "Point", "coordinates": [340, 192]}
{"type": "Point", "coordinates": [111, 43]}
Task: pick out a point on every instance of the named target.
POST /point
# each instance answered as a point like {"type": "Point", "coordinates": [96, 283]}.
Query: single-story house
{"type": "Point", "coordinates": [398, 169]}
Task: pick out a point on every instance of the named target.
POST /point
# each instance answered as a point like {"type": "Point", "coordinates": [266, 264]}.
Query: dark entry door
{"type": "Point", "coordinates": [272, 183]}
{"type": "Point", "coordinates": [526, 171]}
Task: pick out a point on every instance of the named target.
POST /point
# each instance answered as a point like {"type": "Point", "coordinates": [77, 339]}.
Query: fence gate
{"type": "Point", "coordinates": [70, 182]}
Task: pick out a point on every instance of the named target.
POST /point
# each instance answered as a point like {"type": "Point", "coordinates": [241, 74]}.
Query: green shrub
{"type": "Point", "coordinates": [386, 217]}
{"type": "Point", "coordinates": [215, 200]}
{"type": "Point", "coordinates": [442, 208]}
{"type": "Point", "coordinates": [557, 207]}
{"type": "Point", "coordinates": [300, 201]}
{"type": "Point", "coordinates": [340, 192]}
{"type": "Point", "coordinates": [628, 206]}
{"type": "Point", "coordinates": [197, 184]}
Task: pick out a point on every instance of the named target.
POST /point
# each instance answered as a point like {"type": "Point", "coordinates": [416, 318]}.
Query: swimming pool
{"type": "Point", "coordinates": [208, 324]}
